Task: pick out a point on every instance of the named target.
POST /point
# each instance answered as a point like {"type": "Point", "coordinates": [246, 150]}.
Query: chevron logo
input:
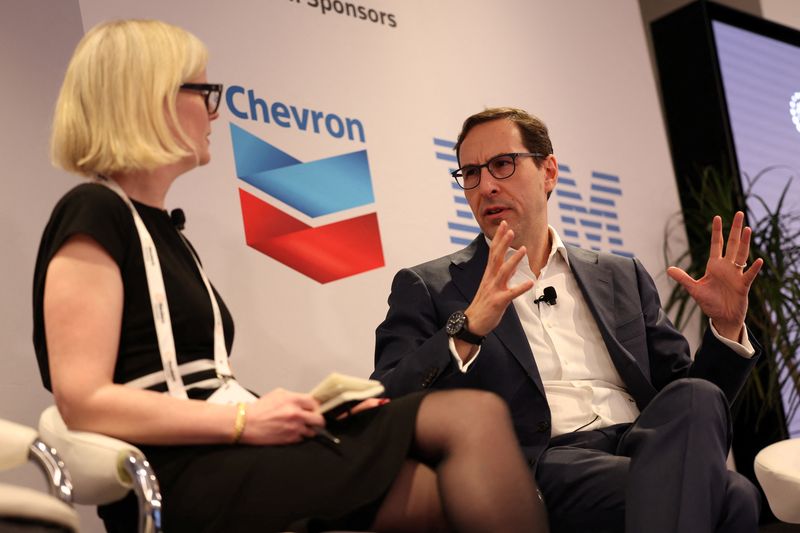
{"type": "Point", "coordinates": [326, 252]}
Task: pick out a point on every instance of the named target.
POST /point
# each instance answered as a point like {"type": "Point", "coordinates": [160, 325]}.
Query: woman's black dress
{"type": "Point", "coordinates": [220, 488]}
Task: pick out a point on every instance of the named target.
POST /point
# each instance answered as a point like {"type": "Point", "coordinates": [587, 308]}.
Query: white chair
{"type": "Point", "coordinates": [104, 469]}
{"type": "Point", "coordinates": [20, 505]}
{"type": "Point", "coordinates": [778, 471]}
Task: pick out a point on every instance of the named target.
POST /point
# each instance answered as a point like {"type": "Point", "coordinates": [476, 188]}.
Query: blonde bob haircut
{"type": "Point", "coordinates": [116, 109]}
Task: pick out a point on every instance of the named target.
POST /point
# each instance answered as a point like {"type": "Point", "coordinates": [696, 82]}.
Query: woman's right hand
{"type": "Point", "coordinates": [282, 417]}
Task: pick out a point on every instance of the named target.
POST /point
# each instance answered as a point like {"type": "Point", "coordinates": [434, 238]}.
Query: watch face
{"type": "Point", "coordinates": [455, 323]}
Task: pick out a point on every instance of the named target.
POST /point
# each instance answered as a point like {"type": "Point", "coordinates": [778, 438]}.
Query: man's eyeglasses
{"type": "Point", "coordinates": [500, 166]}
{"type": "Point", "coordinates": [212, 93]}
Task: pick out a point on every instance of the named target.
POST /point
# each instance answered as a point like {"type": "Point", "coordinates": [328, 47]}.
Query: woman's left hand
{"type": "Point", "coordinates": [369, 403]}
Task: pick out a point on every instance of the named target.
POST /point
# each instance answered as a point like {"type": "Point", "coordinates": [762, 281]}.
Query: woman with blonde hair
{"type": "Point", "coordinates": [133, 340]}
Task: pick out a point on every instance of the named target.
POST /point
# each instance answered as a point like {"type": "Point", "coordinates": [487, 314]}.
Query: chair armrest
{"type": "Point", "coordinates": [777, 468]}
{"type": "Point", "coordinates": [95, 461]}
{"type": "Point", "coordinates": [104, 469]}
{"type": "Point", "coordinates": [20, 444]}
{"type": "Point", "coordinates": [15, 443]}
{"type": "Point", "coordinates": [28, 504]}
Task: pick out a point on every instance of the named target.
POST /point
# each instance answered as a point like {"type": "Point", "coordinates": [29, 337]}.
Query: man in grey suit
{"type": "Point", "coordinates": [624, 429]}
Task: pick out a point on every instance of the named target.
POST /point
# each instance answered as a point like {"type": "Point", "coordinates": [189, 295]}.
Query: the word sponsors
{"type": "Point", "coordinates": [352, 10]}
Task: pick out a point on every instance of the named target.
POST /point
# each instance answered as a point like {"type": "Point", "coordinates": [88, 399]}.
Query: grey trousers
{"type": "Point", "coordinates": [666, 472]}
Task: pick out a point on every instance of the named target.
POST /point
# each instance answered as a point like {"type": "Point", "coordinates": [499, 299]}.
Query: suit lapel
{"type": "Point", "coordinates": [596, 282]}
{"type": "Point", "coordinates": [467, 270]}
{"type": "Point", "coordinates": [468, 265]}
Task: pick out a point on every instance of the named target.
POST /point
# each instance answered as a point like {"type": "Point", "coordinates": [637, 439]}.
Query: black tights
{"type": "Point", "coordinates": [468, 473]}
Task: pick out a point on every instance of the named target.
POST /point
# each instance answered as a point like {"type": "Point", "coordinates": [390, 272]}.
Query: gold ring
{"type": "Point", "coordinates": [738, 265]}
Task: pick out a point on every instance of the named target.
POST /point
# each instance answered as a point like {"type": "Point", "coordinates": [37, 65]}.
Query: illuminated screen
{"type": "Point", "coordinates": [761, 80]}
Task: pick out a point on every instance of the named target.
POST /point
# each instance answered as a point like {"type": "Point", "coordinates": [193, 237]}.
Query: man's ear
{"type": "Point", "coordinates": [550, 174]}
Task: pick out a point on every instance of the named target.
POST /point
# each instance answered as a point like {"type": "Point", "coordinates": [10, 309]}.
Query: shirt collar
{"type": "Point", "coordinates": [557, 246]}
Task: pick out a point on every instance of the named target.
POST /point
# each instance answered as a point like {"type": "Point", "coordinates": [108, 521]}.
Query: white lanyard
{"type": "Point", "coordinates": [158, 300]}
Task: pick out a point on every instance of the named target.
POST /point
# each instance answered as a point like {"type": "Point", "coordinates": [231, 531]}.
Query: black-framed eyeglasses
{"type": "Point", "coordinates": [500, 166]}
{"type": "Point", "coordinates": [212, 93]}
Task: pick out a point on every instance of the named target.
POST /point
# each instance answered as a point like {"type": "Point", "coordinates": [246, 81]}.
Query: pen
{"type": "Point", "coordinates": [327, 435]}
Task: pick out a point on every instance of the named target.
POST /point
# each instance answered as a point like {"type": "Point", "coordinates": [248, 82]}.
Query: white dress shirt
{"type": "Point", "coordinates": [583, 388]}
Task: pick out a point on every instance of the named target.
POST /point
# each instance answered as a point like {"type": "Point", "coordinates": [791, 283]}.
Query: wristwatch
{"type": "Point", "coordinates": [458, 327]}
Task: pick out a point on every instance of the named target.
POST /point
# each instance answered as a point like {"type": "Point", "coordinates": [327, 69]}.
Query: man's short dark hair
{"type": "Point", "coordinates": [533, 130]}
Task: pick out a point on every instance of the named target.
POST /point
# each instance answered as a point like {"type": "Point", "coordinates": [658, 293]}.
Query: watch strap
{"type": "Point", "coordinates": [466, 335]}
{"type": "Point", "coordinates": [458, 328]}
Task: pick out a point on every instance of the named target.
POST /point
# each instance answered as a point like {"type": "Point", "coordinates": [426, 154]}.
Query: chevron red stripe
{"type": "Point", "coordinates": [324, 253]}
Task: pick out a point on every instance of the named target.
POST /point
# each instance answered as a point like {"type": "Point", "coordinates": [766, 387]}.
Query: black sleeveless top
{"type": "Point", "coordinates": [96, 211]}
{"type": "Point", "coordinates": [221, 488]}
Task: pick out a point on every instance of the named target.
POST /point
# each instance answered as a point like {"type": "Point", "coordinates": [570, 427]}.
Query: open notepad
{"type": "Point", "coordinates": [338, 393]}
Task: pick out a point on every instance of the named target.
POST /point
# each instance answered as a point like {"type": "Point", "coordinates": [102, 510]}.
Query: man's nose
{"type": "Point", "coordinates": [488, 183]}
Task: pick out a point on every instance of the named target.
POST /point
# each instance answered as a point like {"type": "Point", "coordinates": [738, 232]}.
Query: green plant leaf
{"type": "Point", "coordinates": [774, 308]}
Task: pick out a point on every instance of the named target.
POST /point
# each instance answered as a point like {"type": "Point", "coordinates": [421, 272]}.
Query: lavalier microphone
{"type": "Point", "coordinates": [549, 296]}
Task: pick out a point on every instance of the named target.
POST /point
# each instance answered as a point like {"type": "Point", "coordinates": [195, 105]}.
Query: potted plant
{"type": "Point", "coordinates": [774, 309]}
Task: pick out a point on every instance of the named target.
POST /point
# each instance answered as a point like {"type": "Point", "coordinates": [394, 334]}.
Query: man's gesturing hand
{"type": "Point", "coordinates": [494, 294]}
{"type": "Point", "coordinates": [722, 291]}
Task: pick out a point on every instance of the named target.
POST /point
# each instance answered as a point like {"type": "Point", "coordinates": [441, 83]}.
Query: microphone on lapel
{"type": "Point", "coordinates": [178, 218]}
{"type": "Point", "coordinates": [549, 296]}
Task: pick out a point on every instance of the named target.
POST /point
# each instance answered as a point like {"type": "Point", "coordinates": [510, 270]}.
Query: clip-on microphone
{"type": "Point", "coordinates": [549, 296]}
{"type": "Point", "coordinates": [178, 218]}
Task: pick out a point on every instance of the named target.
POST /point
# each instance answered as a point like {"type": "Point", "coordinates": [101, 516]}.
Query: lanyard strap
{"type": "Point", "coordinates": [220, 353]}
{"type": "Point", "coordinates": [160, 307]}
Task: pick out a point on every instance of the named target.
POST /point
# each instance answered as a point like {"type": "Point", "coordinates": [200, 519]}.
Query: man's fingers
{"type": "Point", "coordinates": [520, 289]}
{"type": "Point", "coordinates": [510, 266]}
{"type": "Point", "coordinates": [751, 273]}
{"type": "Point", "coordinates": [680, 276]}
{"type": "Point", "coordinates": [499, 270]}
{"type": "Point", "coordinates": [497, 251]}
{"type": "Point", "coordinates": [716, 238]}
{"type": "Point", "coordinates": [505, 240]}
{"type": "Point", "coordinates": [734, 237]}
{"type": "Point", "coordinates": [744, 247]}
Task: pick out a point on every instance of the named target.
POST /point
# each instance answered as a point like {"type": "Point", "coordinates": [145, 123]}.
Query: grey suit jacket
{"type": "Point", "coordinates": [412, 350]}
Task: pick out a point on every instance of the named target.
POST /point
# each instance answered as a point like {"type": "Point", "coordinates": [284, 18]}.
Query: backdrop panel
{"type": "Point", "coordinates": [318, 80]}
{"type": "Point", "coordinates": [368, 90]}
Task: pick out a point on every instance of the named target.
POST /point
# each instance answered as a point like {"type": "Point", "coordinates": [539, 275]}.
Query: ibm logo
{"type": "Point", "coordinates": [590, 223]}
{"type": "Point", "coordinates": [464, 228]}
{"type": "Point", "coordinates": [593, 224]}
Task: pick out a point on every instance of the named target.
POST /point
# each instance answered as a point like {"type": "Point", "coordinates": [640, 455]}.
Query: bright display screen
{"type": "Point", "coordinates": [761, 80]}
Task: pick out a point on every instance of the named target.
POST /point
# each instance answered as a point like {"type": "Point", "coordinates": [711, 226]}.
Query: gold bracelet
{"type": "Point", "coordinates": [241, 418]}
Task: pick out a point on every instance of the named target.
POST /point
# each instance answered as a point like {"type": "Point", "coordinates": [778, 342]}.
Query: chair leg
{"type": "Point", "coordinates": [54, 470]}
{"type": "Point", "coordinates": [145, 486]}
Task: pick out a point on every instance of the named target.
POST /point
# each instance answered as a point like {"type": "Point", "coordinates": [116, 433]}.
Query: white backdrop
{"type": "Point", "coordinates": [582, 66]}
{"type": "Point", "coordinates": [406, 85]}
